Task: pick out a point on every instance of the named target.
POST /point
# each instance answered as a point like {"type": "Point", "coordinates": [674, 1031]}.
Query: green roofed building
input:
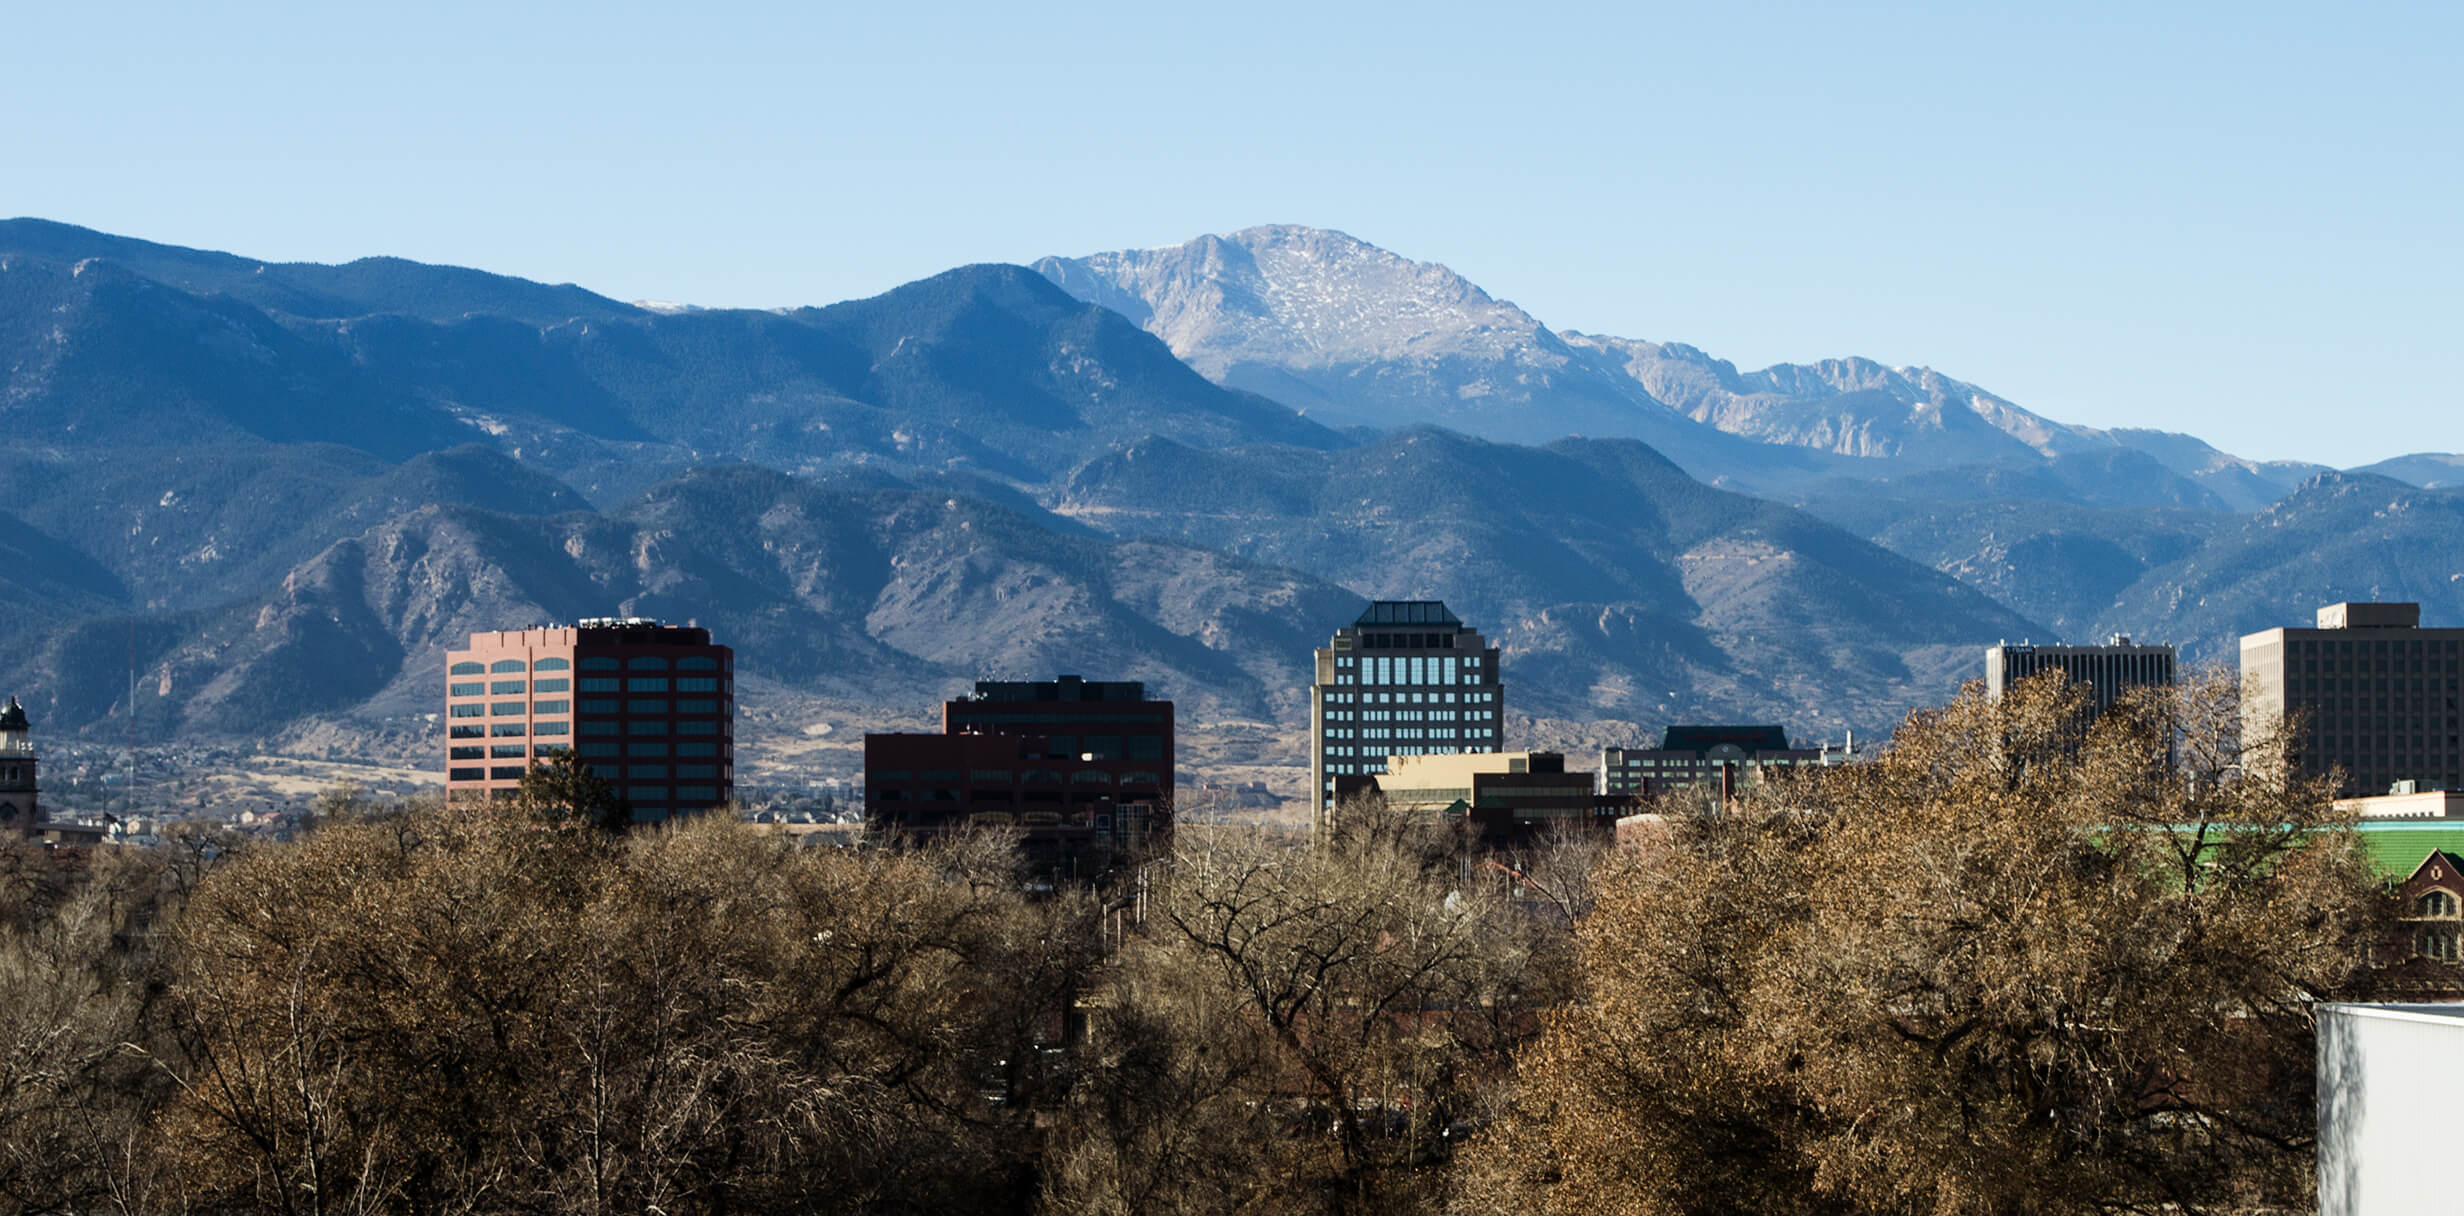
{"type": "Point", "coordinates": [2397, 848]}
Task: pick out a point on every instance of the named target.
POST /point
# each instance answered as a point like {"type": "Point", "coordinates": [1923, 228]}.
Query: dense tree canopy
{"type": "Point", "coordinates": [2027, 961]}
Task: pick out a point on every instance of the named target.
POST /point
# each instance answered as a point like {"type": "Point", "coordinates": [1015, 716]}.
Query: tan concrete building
{"type": "Point", "coordinates": [1506, 797]}
{"type": "Point", "coordinates": [2375, 695]}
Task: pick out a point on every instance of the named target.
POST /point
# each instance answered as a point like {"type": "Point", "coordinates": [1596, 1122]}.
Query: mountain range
{"type": "Point", "coordinates": [1355, 334]}
{"type": "Point", "coordinates": [278, 491]}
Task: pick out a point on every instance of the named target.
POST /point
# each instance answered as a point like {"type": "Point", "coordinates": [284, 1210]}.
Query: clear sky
{"type": "Point", "coordinates": [2235, 220]}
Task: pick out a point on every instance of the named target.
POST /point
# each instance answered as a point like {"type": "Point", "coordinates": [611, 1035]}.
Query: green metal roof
{"type": "Point", "coordinates": [2396, 847]}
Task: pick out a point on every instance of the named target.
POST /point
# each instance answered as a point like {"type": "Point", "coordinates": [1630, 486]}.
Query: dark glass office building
{"type": "Point", "coordinates": [2106, 671]}
{"type": "Point", "coordinates": [1083, 768]}
{"type": "Point", "coordinates": [2374, 693]}
{"type": "Point", "coordinates": [1406, 679]}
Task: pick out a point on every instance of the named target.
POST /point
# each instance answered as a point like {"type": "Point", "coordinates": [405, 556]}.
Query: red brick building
{"type": "Point", "coordinates": [650, 706]}
{"type": "Point", "coordinates": [1083, 768]}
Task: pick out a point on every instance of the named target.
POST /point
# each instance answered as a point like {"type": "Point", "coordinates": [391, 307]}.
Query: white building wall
{"type": "Point", "coordinates": [2391, 1078]}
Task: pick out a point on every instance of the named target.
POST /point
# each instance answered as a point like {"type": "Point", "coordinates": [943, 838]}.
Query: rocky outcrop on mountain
{"type": "Point", "coordinates": [1855, 407]}
{"type": "Point", "coordinates": [1355, 335]}
{"type": "Point", "coordinates": [1352, 334]}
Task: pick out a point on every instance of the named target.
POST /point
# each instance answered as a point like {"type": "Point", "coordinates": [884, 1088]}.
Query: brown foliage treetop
{"type": "Point", "coordinates": [2029, 960]}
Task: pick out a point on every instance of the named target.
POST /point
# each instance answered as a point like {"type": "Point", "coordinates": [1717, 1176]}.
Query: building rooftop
{"type": "Point", "coordinates": [1062, 688]}
{"type": "Point", "coordinates": [13, 716]}
{"type": "Point", "coordinates": [1408, 612]}
{"type": "Point", "coordinates": [1762, 738]}
{"type": "Point", "coordinates": [2350, 615]}
{"type": "Point", "coordinates": [2396, 847]}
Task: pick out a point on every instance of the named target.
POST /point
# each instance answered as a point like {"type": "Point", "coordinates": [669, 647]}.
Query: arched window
{"type": "Point", "coordinates": [2437, 903]}
{"type": "Point", "coordinates": [601, 662]}
{"type": "Point", "coordinates": [508, 665]}
{"type": "Point", "coordinates": [468, 669]}
{"type": "Point", "coordinates": [646, 662]}
{"type": "Point", "coordinates": [697, 662]}
{"type": "Point", "coordinates": [551, 665]}
{"type": "Point", "coordinates": [1089, 776]}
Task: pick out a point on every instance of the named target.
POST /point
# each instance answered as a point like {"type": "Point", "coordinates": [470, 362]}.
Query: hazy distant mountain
{"type": "Point", "coordinates": [1354, 333]}
{"type": "Point", "coordinates": [97, 356]}
{"type": "Point", "coordinates": [369, 286]}
{"type": "Point", "coordinates": [2339, 536]}
{"type": "Point", "coordinates": [2243, 485]}
{"type": "Point", "coordinates": [1855, 407]}
{"type": "Point", "coordinates": [2062, 565]}
{"type": "Point", "coordinates": [2429, 470]}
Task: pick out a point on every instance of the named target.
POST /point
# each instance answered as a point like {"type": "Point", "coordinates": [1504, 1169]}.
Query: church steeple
{"type": "Point", "coordinates": [19, 810]}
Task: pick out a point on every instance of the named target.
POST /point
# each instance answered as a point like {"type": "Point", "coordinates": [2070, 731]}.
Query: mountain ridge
{"type": "Point", "coordinates": [1444, 347]}
{"type": "Point", "coordinates": [983, 474]}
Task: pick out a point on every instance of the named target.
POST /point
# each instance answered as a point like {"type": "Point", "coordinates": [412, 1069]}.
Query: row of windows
{"type": "Point", "coordinates": [2346, 745]}
{"type": "Point", "coordinates": [515, 730]}
{"type": "Point", "coordinates": [601, 662]}
{"type": "Point", "coordinates": [653, 749]}
{"type": "Point", "coordinates": [1374, 762]}
{"type": "Point", "coordinates": [1411, 698]}
{"type": "Point", "coordinates": [507, 665]}
{"type": "Point", "coordinates": [1408, 641]}
{"type": "Point", "coordinates": [501, 688]}
{"type": "Point", "coordinates": [1408, 669]}
{"type": "Point", "coordinates": [691, 795]}
{"type": "Point", "coordinates": [515, 709]}
{"type": "Point", "coordinates": [2438, 657]}
{"type": "Point", "coordinates": [656, 772]}
{"type": "Point", "coordinates": [1379, 745]}
{"type": "Point", "coordinates": [611, 772]}
{"type": "Point", "coordinates": [656, 684]}
{"type": "Point", "coordinates": [654, 726]}
{"type": "Point", "coordinates": [2314, 685]}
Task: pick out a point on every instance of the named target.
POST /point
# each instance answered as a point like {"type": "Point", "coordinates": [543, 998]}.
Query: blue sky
{"type": "Point", "coordinates": [2238, 221]}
